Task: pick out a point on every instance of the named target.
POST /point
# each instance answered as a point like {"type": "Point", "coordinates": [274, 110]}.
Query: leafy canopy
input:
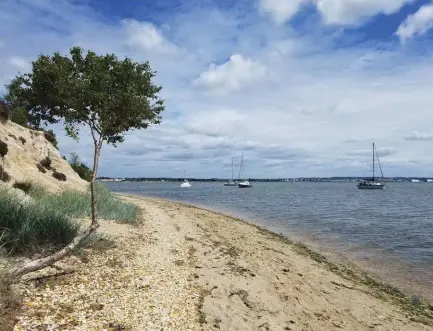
{"type": "Point", "coordinates": [108, 95]}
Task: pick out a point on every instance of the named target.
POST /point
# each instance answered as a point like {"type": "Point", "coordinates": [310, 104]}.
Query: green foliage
{"type": "Point", "coordinates": [30, 227]}
{"type": "Point", "coordinates": [77, 205]}
{"type": "Point", "coordinates": [3, 148]}
{"type": "Point", "coordinates": [19, 116]}
{"type": "Point", "coordinates": [79, 167]}
{"type": "Point", "coordinates": [109, 95]}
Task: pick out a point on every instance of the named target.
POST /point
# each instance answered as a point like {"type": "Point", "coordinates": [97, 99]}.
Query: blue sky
{"type": "Point", "coordinates": [303, 87]}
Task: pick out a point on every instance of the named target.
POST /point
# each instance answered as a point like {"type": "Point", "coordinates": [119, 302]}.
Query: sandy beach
{"type": "Point", "coordinates": [185, 268]}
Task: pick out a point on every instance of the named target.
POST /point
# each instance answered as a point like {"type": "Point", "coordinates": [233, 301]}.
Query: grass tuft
{"type": "Point", "coordinates": [77, 205]}
{"type": "Point", "coordinates": [30, 228]}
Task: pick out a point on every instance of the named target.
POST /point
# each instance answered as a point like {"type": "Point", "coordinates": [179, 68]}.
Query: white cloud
{"type": "Point", "coordinates": [353, 11]}
{"type": "Point", "coordinates": [20, 63]}
{"type": "Point", "coordinates": [416, 24]}
{"type": "Point", "coordinates": [282, 10]}
{"type": "Point", "coordinates": [232, 75]}
{"type": "Point", "coordinates": [418, 136]}
{"type": "Point", "coordinates": [340, 12]}
{"type": "Point", "coordinates": [146, 36]}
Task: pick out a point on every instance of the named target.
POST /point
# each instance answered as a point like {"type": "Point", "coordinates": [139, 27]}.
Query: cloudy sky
{"type": "Point", "coordinates": [303, 87]}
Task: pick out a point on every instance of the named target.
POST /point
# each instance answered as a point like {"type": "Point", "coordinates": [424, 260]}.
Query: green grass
{"type": "Point", "coordinates": [48, 221]}
{"type": "Point", "coordinates": [77, 205]}
{"type": "Point", "coordinates": [29, 228]}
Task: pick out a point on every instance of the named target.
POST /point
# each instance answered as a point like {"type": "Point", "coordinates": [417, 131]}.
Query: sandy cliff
{"type": "Point", "coordinates": [26, 148]}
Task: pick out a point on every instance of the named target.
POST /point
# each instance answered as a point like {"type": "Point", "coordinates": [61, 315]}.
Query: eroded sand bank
{"type": "Point", "coordinates": [186, 268]}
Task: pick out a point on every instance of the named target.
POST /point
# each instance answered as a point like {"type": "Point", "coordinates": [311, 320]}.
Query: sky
{"type": "Point", "coordinates": [301, 87]}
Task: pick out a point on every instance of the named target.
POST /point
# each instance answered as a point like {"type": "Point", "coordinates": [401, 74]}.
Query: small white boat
{"type": "Point", "coordinates": [185, 183]}
{"type": "Point", "coordinates": [372, 184]}
{"type": "Point", "coordinates": [244, 184]}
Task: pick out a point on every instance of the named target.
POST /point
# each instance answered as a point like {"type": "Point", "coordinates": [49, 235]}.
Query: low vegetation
{"type": "Point", "coordinates": [77, 205]}
{"type": "Point", "coordinates": [79, 167]}
{"type": "Point", "coordinates": [4, 176]}
{"type": "Point", "coordinates": [46, 222]}
{"type": "Point", "coordinates": [46, 163]}
{"type": "Point", "coordinates": [59, 176]}
{"type": "Point", "coordinates": [22, 139]}
{"type": "Point", "coordinates": [23, 186]}
{"type": "Point", "coordinates": [32, 227]}
{"type": "Point", "coordinates": [51, 137]}
{"type": "Point", "coordinates": [41, 167]}
{"type": "Point", "coordinates": [3, 148]}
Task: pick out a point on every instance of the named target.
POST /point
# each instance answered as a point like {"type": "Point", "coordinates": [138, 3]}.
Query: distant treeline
{"type": "Point", "coordinates": [309, 179]}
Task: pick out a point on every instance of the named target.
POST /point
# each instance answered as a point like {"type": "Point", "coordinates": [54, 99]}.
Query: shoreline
{"type": "Point", "coordinates": [374, 268]}
{"type": "Point", "coordinates": [188, 268]}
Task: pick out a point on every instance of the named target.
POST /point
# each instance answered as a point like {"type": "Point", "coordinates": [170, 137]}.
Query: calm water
{"type": "Point", "coordinates": [389, 232]}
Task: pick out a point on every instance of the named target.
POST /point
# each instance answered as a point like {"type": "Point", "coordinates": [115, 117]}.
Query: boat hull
{"type": "Point", "coordinates": [244, 185]}
{"type": "Point", "coordinates": [371, 187]}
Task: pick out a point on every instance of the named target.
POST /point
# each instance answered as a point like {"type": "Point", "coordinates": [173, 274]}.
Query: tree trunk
{"type": "Point", "coordinates": [39, 264]}
{"type": "Point", "coordinates": [97, 152]}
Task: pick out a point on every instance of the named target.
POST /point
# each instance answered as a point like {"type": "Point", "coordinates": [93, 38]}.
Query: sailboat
{"type": "Point", "coordinates": [231, 182]}
{"type": "Point", "coordinates": [185, 181]}
{"type": "Point", "coordinates": [245, 183]}
{"type": "Point", "coordinates": [372, 184]}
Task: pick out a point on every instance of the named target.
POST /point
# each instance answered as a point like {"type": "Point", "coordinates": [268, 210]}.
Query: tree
{"type": "Point", "coordinates": [103, 94]}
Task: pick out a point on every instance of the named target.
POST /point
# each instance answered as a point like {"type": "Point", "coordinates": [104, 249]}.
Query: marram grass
{"type": "Point", "coordinates": [48, 220]}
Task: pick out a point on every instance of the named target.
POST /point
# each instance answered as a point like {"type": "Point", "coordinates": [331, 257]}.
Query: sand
{"type": "Point", "coordinates": [186, 268]}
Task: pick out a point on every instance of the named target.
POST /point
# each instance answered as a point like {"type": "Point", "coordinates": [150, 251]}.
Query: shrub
{"type": "Point", "coordinates": [5, 110]}
{"type": "Point", "coordinates": [20, 116]}
{"type": "Point", "coordinates": [30, 228]}
{"type": "Point", "coordinates": [40, 168]}
{"type": "Point", "coordinates": [23, 186]}
{"type": "Point", "coordinates": [3, 148]}
{"type": "Point", "coordinates": [51, 137]}
{"type": "Point", "coordinates": [46, 163]}
{"type": "Point", "coordinates": [23, 141]}
{"type": "Point", "coordinates": [80, 168]}
{"type": "Point", "coordinates": [59, 176]}
{"type": "Point", "coordinates": [4, 176]}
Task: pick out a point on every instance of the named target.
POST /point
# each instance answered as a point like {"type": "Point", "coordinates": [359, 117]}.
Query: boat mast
{"type": "Point", "coordinates": [240, 166]}
{"type": "Point", "coordinates": [373, 162]}
{"type": "Point", "coordinates": [232, 169]}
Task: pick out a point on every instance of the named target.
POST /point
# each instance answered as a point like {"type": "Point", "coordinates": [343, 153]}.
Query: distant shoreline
{"type": "Point", "coordinates": [270, 180]}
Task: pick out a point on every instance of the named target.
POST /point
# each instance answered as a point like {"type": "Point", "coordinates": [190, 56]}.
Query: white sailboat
{"type": "Point", "coordinates": [372, 184]}
{"type": "Point", "coordinates": [245, 183]}
{"type": "Point", "coordinates": [231, 182]}
{"type": "Point", "coordinates": [185, 182]}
